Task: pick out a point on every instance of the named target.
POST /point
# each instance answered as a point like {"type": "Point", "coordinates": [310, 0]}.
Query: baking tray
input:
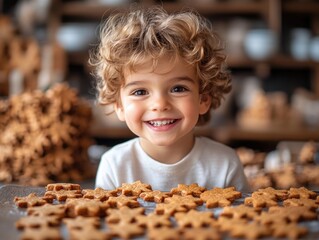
{"type": "Point", "coordinates": [10, 213]}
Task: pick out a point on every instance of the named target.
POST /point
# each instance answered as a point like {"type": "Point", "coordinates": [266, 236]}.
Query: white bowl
{"type": "Point", "coordinates": [260, 44]}
{"type": "Point", "coordinates": [314, 49]}
{"type": "Point", "coordinates": [299, 43]}
{"type": "Point", "coordinates": [77, 36]}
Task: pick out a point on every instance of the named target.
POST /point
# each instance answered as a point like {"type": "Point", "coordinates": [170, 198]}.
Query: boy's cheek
{"type": "Point", "coordinates": [131, 110]}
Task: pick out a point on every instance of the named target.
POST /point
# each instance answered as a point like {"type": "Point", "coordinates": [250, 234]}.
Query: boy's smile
{"type": "Point", "coordinates": [162, 125]}
{"type": "Point", "coordinates": [162, 105]}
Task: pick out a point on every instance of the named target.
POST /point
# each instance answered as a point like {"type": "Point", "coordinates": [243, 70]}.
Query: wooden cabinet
{"type": "Point", "coordinates": [274, 13]}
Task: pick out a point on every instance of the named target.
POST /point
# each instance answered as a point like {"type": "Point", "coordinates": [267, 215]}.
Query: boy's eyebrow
{"type": "Point", "coordinates": [184, 78]}
{"type": "Point", "coordinates": [181, 78]}
{"type": "Point", "coordinates": [133, 83]}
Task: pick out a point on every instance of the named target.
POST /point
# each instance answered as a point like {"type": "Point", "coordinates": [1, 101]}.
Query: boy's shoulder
{"type": "Point", "coordinates": [210, 145]}
{"type": "Point", "coordinates": [123, 148]}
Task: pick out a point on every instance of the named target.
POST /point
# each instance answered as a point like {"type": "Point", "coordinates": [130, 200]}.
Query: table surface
{"type": "Point", "coordinates": [10, 213]}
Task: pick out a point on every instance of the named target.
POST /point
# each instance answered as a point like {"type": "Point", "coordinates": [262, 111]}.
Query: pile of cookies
{"type": "Point", "coordinates": [25, 62]}
{"type": "Point", "coordinates": [44, 137]}
{"type": "Point", "coordinates": [268, 110]}
{"type": "Point", "coordinates": [65, 211]}
{"type": "Point", "coordinates": [302, 169]}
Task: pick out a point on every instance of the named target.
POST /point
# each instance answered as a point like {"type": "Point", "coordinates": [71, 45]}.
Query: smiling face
{"type": "Point", "coordinates": [162, 105]}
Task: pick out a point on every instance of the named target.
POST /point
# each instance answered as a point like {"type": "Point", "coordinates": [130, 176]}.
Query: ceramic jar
{"type": "Point", "coordinates": [260, 44]}
{"type": "Point", "coordinates": [314, 49]}
{"type": "Point", "coordinates": [237, 30]}
{"type": "Point", "coordinates": [299, 43]}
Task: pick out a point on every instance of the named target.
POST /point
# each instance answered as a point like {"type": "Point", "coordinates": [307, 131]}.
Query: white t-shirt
{"type": "Point", "coordinates": [209, 164]}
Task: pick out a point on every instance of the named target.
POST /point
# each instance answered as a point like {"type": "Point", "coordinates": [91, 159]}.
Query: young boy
{"type": "Point", "coordinates": [163, 73]}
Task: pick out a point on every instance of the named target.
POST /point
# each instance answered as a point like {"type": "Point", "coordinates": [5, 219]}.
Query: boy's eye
{"type": "Point", "coordinates": [179, 89]}
{"type": "Point", "coordinates": [139, 92]}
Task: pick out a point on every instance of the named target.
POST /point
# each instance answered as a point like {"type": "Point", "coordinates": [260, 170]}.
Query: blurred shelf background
{"type": "Point", "coordinates": [272, 67]}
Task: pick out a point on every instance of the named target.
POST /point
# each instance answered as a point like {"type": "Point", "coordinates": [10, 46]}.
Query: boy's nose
{"type": "Point", "coordinates": [160, 103]}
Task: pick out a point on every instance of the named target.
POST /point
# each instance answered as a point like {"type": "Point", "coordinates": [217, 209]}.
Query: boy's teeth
{"type": "Point", "coordinates": [161, 123]}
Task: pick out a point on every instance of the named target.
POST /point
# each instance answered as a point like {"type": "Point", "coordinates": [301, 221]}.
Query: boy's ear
{"type": "Point", "coordinates": [205, 102]}
{"type": "Point", "coordinates": [119, 111]}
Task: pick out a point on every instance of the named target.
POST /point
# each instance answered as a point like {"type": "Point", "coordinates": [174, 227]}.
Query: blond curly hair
{"type": "Point", "coordinates": [129, 38]}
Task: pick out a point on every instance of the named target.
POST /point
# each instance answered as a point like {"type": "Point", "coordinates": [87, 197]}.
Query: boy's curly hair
{"type": "Point", "coordinates": [129, 38]}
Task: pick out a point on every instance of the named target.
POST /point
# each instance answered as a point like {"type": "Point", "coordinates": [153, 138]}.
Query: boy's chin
{"type": "Point", "coordinates": [158, 141]}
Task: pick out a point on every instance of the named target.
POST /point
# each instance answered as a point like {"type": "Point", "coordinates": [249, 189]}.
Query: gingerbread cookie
{"type": "Point", "coordinates": [301, 192]}
{"type": "Point", "coordinates": [201, 234]}
{"type": "Point", "coordinates": [260, 180]}
{"type": "Point", "coordinates": [37, 222]}
{"type": "Point", "coordinates": [85, 207]}
{"type": "Point", "coordinates": [194, 219]}
{"type": "Point", "coordinates": [44, 232]}
{"type": "Point", "coordinates": [62, 195]}
{"type": "Point", "coordinates": [153, 220]}
{"type": "Point", "coordinates": [99, 194]}
{"type": "Point", "coordinates": [311, 203]}
{"type": "Point", "coordinates": [122, 200]}
{"type": "Point", "coordinates": [289, 230]}
{"type": "Point", "coordinates": [125, 230]}
{"type": "Point", "coordinates": [240, 211]}
{"type": "Point", "coordinates": [164, 233]}
{"type": "Point", "coordinates": [192, 189]}
{"type": "Point", "coordinates": [62, 186]}
{"type": "Point", "coordinates": [249, 157]}
{"type": "Point", "coordinates": [286, 177]}
{"type": "Point", "coordinates": [271, 218]}
{"type": "Point", "coordinates": [260, 200]}
{"type": "Point", "coordinates": [81, 222]}
{"type": "Point", "coordinates": [307, 152]}
{"type": "Point", "coordinates": [124, 213]}
{"type": "Point", "coordinates": [32, 200]}
{"type": "Point", "coordinates": [220, 197]}
{"type": "Point", "coordinates": [58, 210]}
{"type": "Point", "coordinates": [169, 208]}
{"type": "Point", "coordinates": [154, 196]}
{"type": "Point", "coordinates": [226, 224]}
{"type": "Point", "coordinates": [295, 213]}
{"type": "Point", "coordinates": [242, 228]}
{"type": "Point", "coordinates": [89, 233]}
{"type": "Point", "coordinates": [309, 175]}
{"type": "Point", "coordinates": [279, 194]}
{"type": "Point", "coordinates": [251, 230]}
{"type": "Point", "coordinates": [135, 188]}
{"type": "Point", "coordinates": [188, 201]}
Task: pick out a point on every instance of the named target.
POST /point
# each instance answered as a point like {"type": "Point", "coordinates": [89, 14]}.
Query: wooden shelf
{"type": "Point", "coordinates": [93, 10]}
{"type": "Point", "coordinates": [300, 7]}
{"type": "Point", "coordinates": [220, 7]}
{"type": "Point", "coordinates": [226, 133]}
{"type": "Point", "coordinates": [89, 10]}
{"type": "Point", "coordinates": [278, 61]}
{"type": "Point", "coordinates": [271, 133]}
